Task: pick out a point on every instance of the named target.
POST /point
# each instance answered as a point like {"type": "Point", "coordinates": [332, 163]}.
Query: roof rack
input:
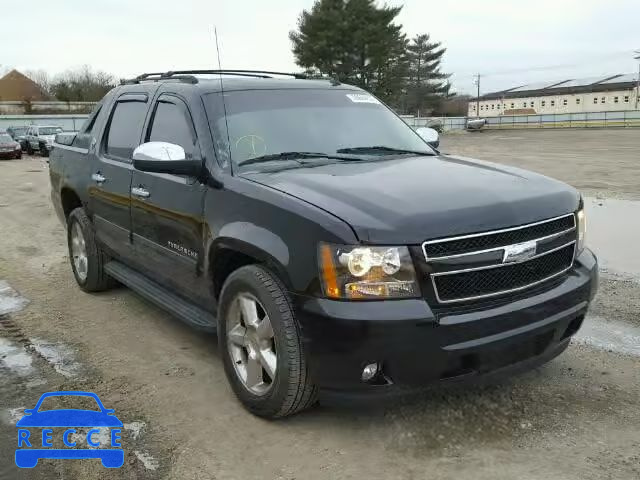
{"type": "Point", "coordinates": [243, 73]}
{"type": "Point", "coordinates": [188, 75]}
{"type": "Point", "coordinates": [157, 76]}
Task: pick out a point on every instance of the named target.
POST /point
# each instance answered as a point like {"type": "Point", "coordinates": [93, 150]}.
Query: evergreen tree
{"type": "Point", "coordinates": [354, 41]}
{"type": "Point", "coordinates": [426, 85]}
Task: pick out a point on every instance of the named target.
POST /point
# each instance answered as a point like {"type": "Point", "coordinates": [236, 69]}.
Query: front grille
{"type": "Point", "coordinates": [485, 241]}
{"type": "Point", "coordinates": [499, 279]}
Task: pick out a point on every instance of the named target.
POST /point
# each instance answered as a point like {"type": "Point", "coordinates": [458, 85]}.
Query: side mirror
{"type": "Point", "coordinates": [163, 157]}
{"type": "Point", "coordinates": [429, 135]}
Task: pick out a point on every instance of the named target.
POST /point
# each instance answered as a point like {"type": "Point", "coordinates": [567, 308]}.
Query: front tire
{"type": "Point", "coordinates": [86, 256]}
{"type": "Point", "coordinates": [29, 149]}
{"type": "Point", "coordinates": [261, 346]}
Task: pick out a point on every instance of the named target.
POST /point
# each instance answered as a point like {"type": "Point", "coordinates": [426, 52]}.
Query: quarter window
{"type": "Point", "coordinates": [543, 103]}
{"type": "Point", "coordinates": [171, 124]}
{"type": "Point", "coordinates": [626, 99]}
{"type": "Point", "coordinates": [615, 99]}
{"type": "Point", "coordinates": [564, 102]}
{"type": "Point", "coordinates": [553, 103]}
{"type": "Point", "coordinates": [595, 100]}
{"type": "Point", "coordinates": [602, 100]}
{"type": "Point", "coordinates": [125, 128]}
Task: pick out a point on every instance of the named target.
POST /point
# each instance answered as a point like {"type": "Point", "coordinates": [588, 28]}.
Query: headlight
{"type": "Point", "coordinates": [581, 225]}
{"type": "Point", "coordinates": [361, 273]}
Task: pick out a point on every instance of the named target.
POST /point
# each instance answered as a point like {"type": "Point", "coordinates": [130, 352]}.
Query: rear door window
{"type": "Point", "coordinates": [125, 128]}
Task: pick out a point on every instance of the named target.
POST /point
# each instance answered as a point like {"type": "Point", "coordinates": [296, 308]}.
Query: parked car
{"type": "Point", "coordinates": [19, 134]}
{"type": "Point", "coordinates": [41, 137]}
{"type": "Point", "coordinates": [9, 148]}
{"type": "Point", "coordinates": [476, 123]}
{"type": "Point", "coordinates": [336, 254]}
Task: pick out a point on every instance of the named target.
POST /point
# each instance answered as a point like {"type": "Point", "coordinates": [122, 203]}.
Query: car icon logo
{"type": "Point", "coordinates": [34, 445]}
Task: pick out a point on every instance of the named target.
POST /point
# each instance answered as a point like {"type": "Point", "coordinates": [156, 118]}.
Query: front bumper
{"type": "Point", "coordinates": [417, 345]}
{"type": "Point", "coordinates": [10, 154]}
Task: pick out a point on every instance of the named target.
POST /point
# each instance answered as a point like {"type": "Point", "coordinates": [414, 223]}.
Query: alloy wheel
{"type": "Point", "coordinates": [79, 252]}
{"type": "Point", "coordinates": [251, 344]}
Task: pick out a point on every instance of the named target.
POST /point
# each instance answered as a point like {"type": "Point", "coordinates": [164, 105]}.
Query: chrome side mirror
{"type": "Point", "coordinates": [159, 151]}
{"type": "Point", "coordinates": [429, 135]}
{"type": "Point", "coordinates": [163, 157]}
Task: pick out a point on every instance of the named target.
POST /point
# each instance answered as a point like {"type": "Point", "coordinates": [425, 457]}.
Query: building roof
{"type": "Point", "coordinates": [571, 85]}
{"type": "Point", "coordinates": [15, 86]}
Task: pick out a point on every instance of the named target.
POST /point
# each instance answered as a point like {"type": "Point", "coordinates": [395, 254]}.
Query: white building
{"type": "Point", "coordinates": [611, 93]}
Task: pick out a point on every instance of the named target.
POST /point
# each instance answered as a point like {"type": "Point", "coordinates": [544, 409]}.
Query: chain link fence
{"type": "Point", "coordinates": [629, 118]}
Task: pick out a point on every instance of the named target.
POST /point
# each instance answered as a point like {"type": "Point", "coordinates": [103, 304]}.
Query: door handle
{"type": "Point", "coordinates": [140, 192]}
{"type": "Point", "coordinates": [98, 177]}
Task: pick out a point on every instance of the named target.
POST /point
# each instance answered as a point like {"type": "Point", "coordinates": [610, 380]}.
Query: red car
{"type": "Point", "coordinates": [9, 148]}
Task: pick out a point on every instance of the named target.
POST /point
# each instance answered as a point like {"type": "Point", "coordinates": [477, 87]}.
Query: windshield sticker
{"type": "Point", "coordinates": [362, 98]}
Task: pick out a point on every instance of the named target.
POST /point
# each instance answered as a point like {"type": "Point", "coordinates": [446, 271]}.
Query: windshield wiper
{"type": "Point", "coordinates": [296, 156]}
{"type": "Point", "coordinates": [382, 148]}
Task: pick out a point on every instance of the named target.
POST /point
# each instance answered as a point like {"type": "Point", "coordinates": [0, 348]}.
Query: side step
{"type": "Point", "coordinates": [172, 303]}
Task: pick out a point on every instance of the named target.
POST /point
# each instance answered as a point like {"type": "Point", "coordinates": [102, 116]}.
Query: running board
{"type": "Point", "coordinates": [172, 303]}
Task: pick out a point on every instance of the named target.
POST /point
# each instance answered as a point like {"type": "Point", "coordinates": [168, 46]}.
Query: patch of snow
{"type": "Point", "coordinates": [611, 336]}
{"type": "Point", "coordinates": [15, 358]}
{"type": "Point", "coordinates": [147, 460]}
{"type": "Point", "coordinates": [10, 300]}
{"type": "Point", "coordinates": [61, 356]}
{"type": "Point", "coordinates": [11, 415]}
{"type": "Point", "coordinates": [134, 428]}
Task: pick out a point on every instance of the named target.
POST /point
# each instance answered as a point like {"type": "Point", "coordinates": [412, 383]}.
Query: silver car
{"type": "Point", "coordinates": [41, 137]}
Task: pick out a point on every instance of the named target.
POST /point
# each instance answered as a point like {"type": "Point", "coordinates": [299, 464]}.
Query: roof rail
{"type": "Point", "coordinates": [241, 73]}
{"type": "Point", "coordinates": [155, 77]}
{"type": "Point", "coordinates": [188, 75]}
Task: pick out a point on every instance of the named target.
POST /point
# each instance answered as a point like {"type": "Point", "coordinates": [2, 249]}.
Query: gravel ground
{"type": "Point", "coordinates": [575, 418]}
{"type": "Point", "coordinates": [596, 161]}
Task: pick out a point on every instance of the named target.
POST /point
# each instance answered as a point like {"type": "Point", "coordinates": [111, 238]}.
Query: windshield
{"type": "Point", "coordinates": [5, 138]}
{"type": "Point", "coordinates": [49, 130]}
{"type": "Point", "coordinates": [19, 130]}
{"type": "Point", "coordinates": [269, 122]}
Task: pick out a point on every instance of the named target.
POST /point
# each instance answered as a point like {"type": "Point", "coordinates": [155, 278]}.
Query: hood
{"type": "Point", "coordinates": [410, 200]}
{"type": "Point", "coordinates": [9, 144]}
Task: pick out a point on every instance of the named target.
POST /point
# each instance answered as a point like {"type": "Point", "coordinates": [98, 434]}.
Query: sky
{"type": "Point", "coordinates": [509, 42]}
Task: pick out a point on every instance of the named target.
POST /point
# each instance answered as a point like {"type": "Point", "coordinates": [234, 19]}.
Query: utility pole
{"type": "Point", "coordinates": [477, 82]}
{"type": "Point", "coordinates": [638, 80]}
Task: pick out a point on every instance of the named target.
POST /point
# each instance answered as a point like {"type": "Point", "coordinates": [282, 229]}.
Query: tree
{"type": "Point", "coordinates": [426, 86]}
{"type": "Point", "coordinates": [353, 41]}
{"type": "Point", "coordinates": [82, 85]}
{"type": "Point", "coordinates": [41, 77]}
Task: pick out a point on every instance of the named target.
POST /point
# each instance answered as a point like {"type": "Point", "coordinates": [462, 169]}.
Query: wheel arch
{"type": "Point", "coordinates": [246, 245]}
{"type": "Point", "coordinates": [70, 200]}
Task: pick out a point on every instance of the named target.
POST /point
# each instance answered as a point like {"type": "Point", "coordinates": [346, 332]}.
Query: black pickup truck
{"type": "Point", "coordinates": [335, 252]}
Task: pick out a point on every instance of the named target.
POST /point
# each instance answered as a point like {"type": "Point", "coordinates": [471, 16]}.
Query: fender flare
{"type": "Point", "coordinates": [256, 242]}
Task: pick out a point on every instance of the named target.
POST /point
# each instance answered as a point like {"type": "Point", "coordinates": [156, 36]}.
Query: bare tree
{"type": "Point", "coordinates": [41, 77]}
{"type": "Point", "coordinates": [82, 85]}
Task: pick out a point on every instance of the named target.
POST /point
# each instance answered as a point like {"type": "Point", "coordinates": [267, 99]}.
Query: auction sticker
{"type": "Point", "coordinates": [362, 98]}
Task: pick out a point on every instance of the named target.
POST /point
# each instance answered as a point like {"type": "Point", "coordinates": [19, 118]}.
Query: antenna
{"type": "Point", "coordinates": [224, 103]}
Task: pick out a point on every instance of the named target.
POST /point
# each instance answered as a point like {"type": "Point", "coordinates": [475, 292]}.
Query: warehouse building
{"type": "Point", "coordinates": [596, 94]}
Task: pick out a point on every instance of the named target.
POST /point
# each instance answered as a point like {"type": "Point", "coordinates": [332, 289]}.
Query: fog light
{"type": "Point", "coordinates": [369, 372]}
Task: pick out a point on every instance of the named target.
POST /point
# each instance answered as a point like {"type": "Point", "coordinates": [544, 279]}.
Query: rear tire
{"type": "Point", "coordinates": [290, 390]}
{"type": "Point", "coordinates": [86, 256]}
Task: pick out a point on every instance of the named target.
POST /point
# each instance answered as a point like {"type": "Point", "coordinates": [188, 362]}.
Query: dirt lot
{"type": "Point", "coordinates": [575, 418]}
{"type": "Point", "coordinates": [598, 162]}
